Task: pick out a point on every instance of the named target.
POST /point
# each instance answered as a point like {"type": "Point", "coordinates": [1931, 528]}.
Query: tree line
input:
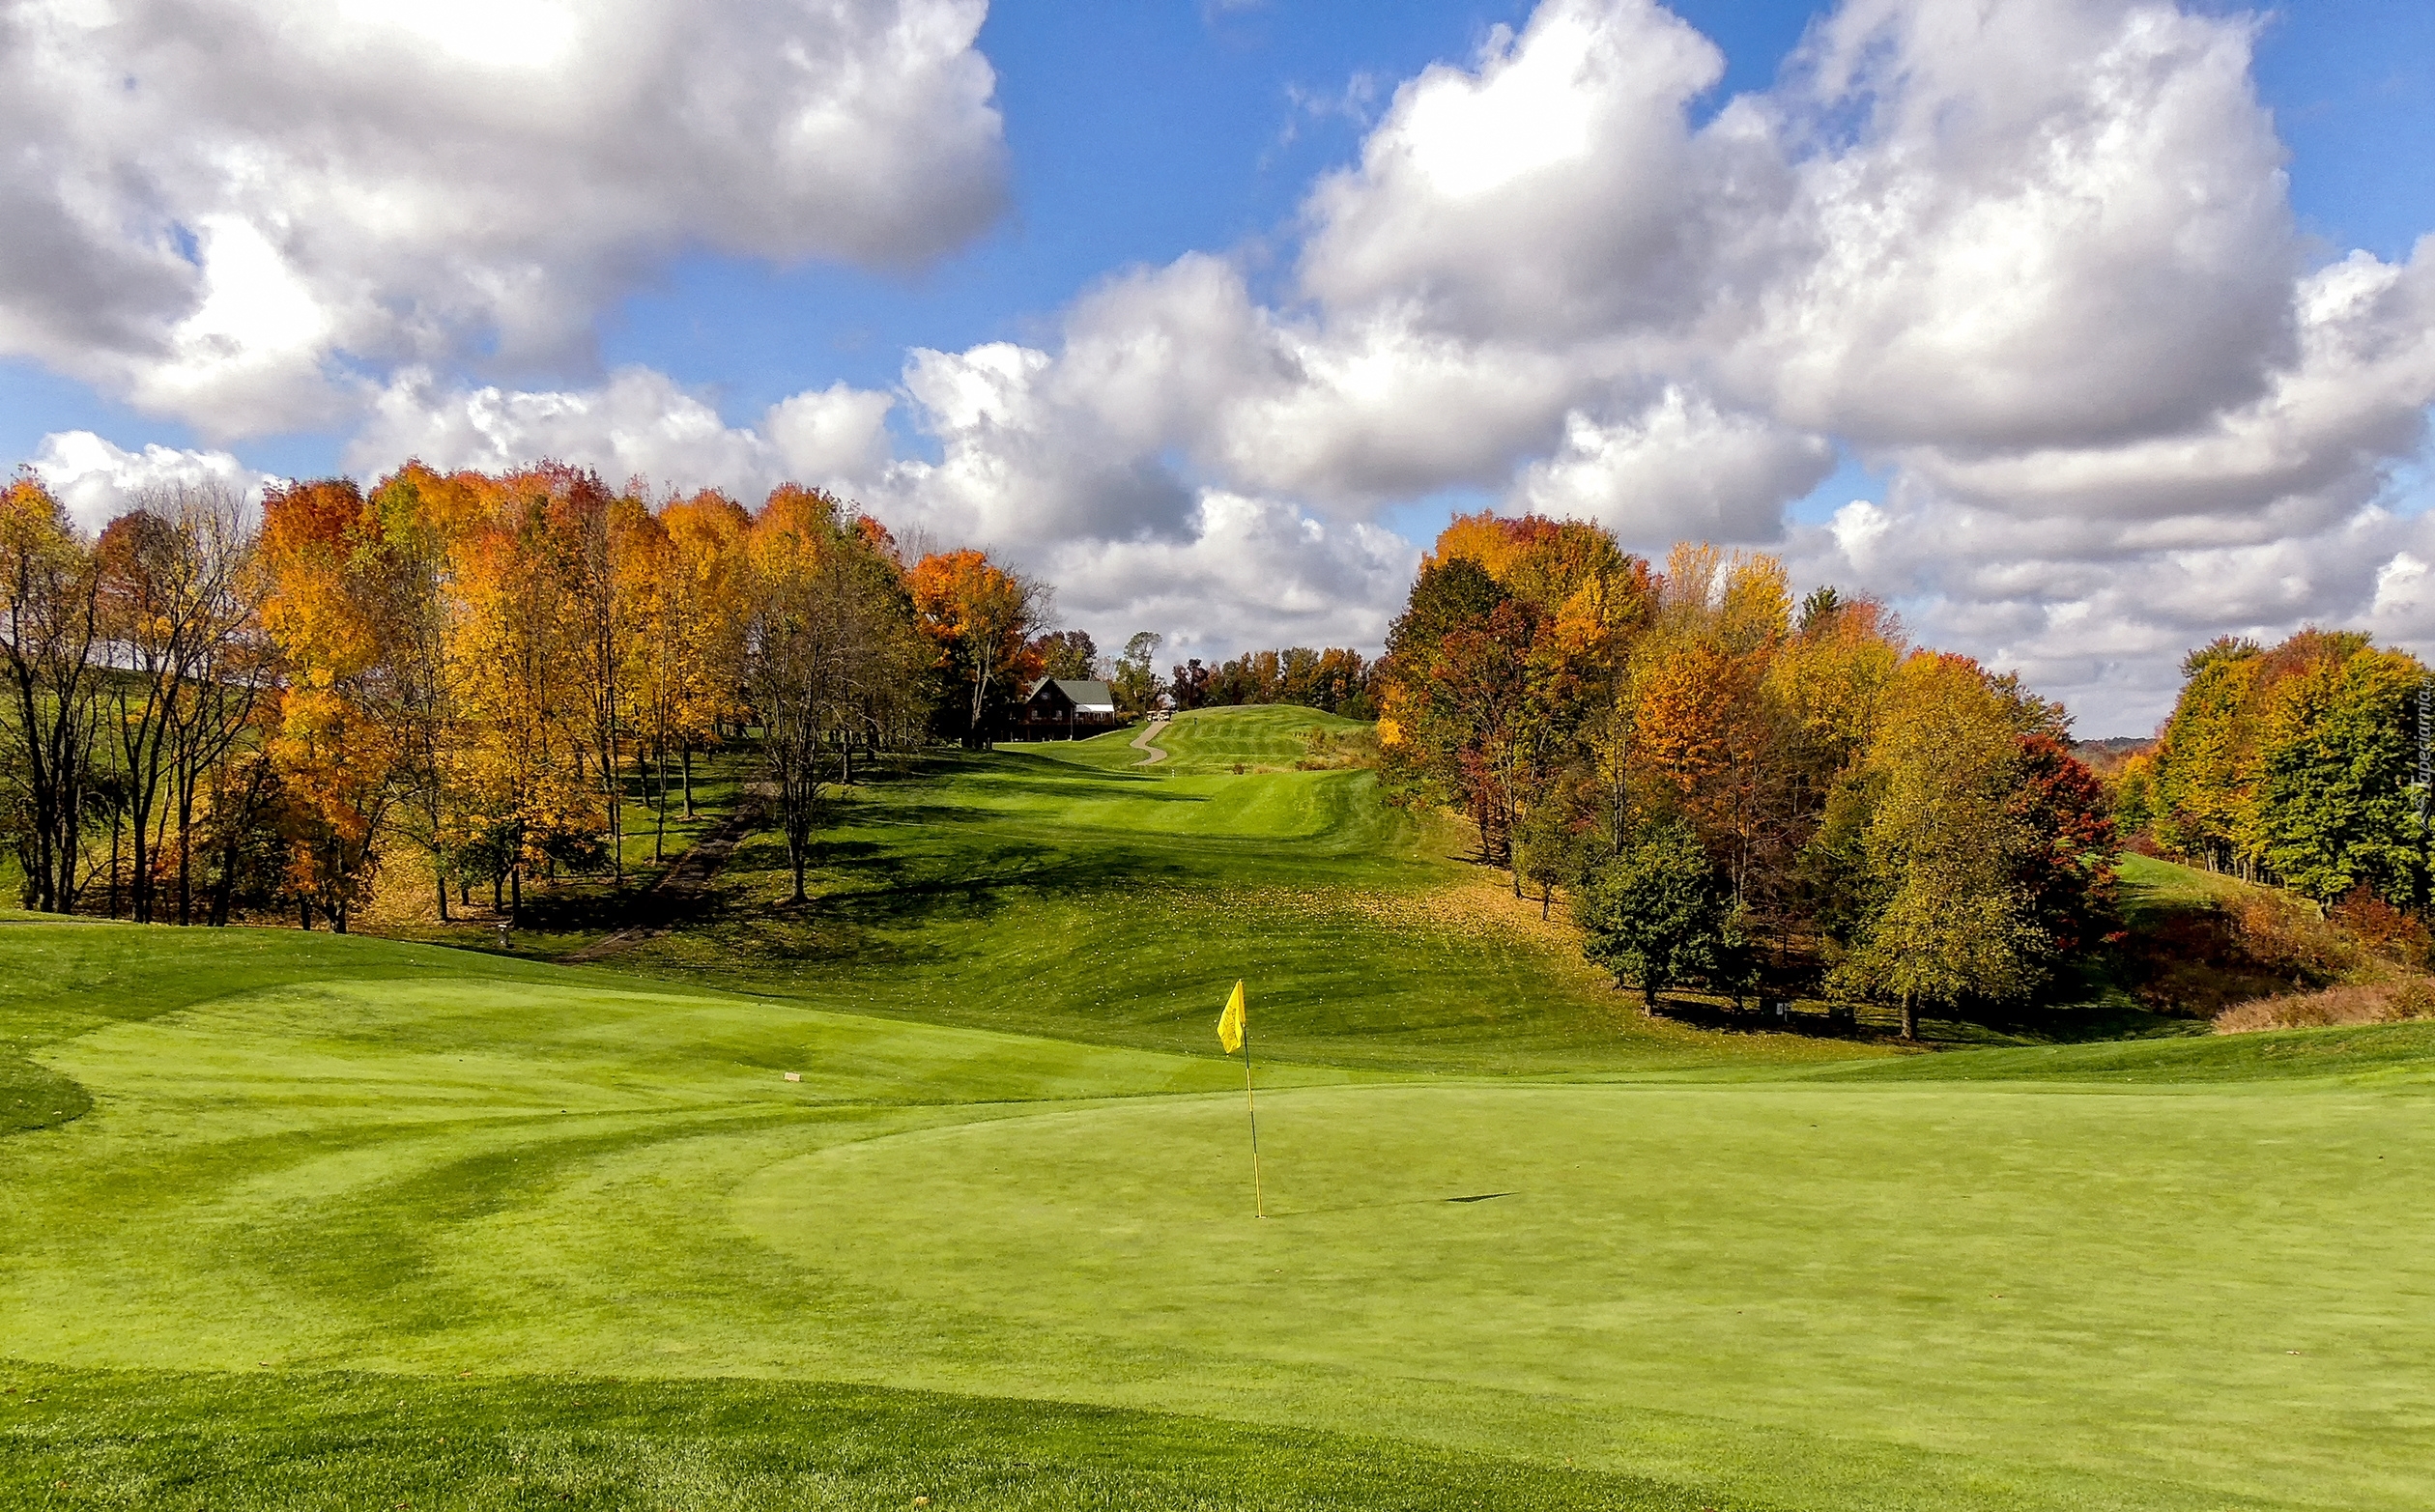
{"type": "Point", "coordinates": [211, 708]}
{"type": "Point", "coordinates": [2297, 765]}
{"type": "Point", "coordinates": [1733, 792]}
{"type": "Point", "coordinates": [1335, 680]}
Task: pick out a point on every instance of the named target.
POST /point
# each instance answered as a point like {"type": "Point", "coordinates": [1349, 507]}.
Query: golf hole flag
{"type": "Point", "coordinates": [1234, 1033]}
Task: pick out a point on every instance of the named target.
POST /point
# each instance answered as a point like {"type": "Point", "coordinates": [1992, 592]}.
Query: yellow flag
{"type": "Point", "coordinates": [1230, 1022]}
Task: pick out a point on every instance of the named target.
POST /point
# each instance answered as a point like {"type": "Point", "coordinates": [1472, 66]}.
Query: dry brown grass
{"type": "Point", "coordinates": [2352, 1002]}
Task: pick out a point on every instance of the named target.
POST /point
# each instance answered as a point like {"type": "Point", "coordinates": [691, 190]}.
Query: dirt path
{"type": "Point", "coordinates": [687, 876]}
{"type": "Point", "coordinates": [1141, 742]}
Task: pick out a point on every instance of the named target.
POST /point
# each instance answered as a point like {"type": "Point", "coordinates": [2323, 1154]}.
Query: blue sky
{"type": "Point", "coordinates": [1166, 163]}
{"type": "Point", "coordinates": [1140, 132]}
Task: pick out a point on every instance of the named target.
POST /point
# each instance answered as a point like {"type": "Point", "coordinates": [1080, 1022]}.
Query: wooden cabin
{"type": "Point", "coordinates": [1066, 708]}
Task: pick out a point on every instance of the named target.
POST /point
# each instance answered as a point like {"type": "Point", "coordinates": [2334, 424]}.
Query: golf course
{"type": "Point", "coordinates": [936, 1191]}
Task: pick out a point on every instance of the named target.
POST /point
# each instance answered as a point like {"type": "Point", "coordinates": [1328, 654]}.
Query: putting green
{"type": "Point", "coordinates": [1715, 1271]}
{"type": "Point", "coordinates": [2038, 1281]}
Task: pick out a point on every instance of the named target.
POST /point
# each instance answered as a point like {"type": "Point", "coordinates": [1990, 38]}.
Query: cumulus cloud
{"type": "Point", "coordinates": [639, 424]}
{"type": "Point", "coordinates": [1549, 186]}
{"type": "Point", "coordinates": [1675, 470]}
{"type": "Point", "coordinates": [2061, 222]}
{"type": "Point", "coordinates": [1249, 572]}
{"type": "Point", "coordinates": [217, 207]}
{"type": "Point", "coordinates": [2320, 437]}
{"type": "Point", "coordinates": [98, 481]}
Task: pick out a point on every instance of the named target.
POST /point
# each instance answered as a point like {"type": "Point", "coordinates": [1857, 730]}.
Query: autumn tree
{"type": "Point", "coordinates": [980, 616]}
{"type": "Point", "coordinates": [2065, 868]}
{"type": "Point", "coordinates": [2335, 806]}
{"type": "Point", "coordinates": [831, 627]}
{"type": "Point", "coordinates": [1067, 653]}
{"type": "Point", "coordinates": [1188, 682]}
{"type": "Point", "coordinates": [179, 596]}
{"type": "Point", "coordinates": [523, 798]}
{"type": "Point", "coordinates": [338, 759]}
{"type": "Point", "coordinates": [1947, 845]}
{"type": "Point", "coordinates": [703, 626]}
{"type": "Point", "coordinates": [50, 643]}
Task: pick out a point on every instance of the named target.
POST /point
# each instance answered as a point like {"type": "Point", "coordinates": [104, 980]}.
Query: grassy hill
{"type": "Point", "coordinates": [301, 1222]}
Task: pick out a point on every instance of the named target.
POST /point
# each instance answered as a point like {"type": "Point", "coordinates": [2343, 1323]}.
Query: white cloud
{"type": "Point", "coordinates": [2316, 444]}
{"type": "Point", "coordinates": [1676, 470]}
{"type": "Point", "coordinates": [639, 424]}
{"type": "Point", "coordinates": [1551, 184]}
{"type": "Point", "coordinates": [98, 481]}
{"type": "Point", "coordinates": [1251, 572]}
{"type": "Point", "coordinates": [215, 206]}
{"type": "Point", "coordinates": [2059, 221]}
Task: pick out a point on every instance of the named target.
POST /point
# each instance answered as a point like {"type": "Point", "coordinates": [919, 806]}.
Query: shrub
{"type": "Point", "coordinates": [2384, 930]}
{"type": "Point", "coordinates": [2285, 936]}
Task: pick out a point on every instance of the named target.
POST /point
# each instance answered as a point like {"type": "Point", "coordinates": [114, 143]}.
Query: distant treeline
{"type": "Point", "coordinates": [1336, 680]}
{"type": "Point", "coordinates": [1734, 793]}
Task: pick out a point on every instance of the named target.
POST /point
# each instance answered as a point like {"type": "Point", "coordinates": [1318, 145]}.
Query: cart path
{"type": "Point", "coordinates": [1141, 742]}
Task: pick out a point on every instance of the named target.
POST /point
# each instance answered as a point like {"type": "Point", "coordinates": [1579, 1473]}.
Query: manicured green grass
{"type": "Point", "coordinates": [2149, 884]}
{"type": "Point", "coordinates": [334, 1201]}
{"type": "Point", "coordinates": [1058, 889]}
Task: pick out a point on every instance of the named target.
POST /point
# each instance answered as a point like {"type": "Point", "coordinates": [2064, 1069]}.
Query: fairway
{"type": "Point", "coordinates": [996, 1247]}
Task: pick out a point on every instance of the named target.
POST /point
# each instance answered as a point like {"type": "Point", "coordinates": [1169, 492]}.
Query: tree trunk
{"type": "Point", "coordinates": [686, 751]}
{"type": "Point", "coordinates": [185, 854]}
{"type": "Point", "coordinates": [1910, 1018]}
{"type": "Point", "coordinates": [139, 879]}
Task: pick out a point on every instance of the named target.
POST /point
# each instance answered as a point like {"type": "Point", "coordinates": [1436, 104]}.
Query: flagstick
{"type": "Point", "coordinates": [1259, 1207]}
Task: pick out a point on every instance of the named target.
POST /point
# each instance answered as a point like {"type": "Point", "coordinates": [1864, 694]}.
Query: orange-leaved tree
{"type": "Point", "coordinates": [337, 746]}
{"type": "Point", "coordinates": [828, 638]}
{"type": "Point", "coordinates": [980, 617]}
{"type": "Point", "coordinates": [704, 608]}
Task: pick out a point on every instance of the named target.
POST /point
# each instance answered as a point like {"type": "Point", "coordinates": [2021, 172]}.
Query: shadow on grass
{"type": "Point", "coordinates": [1726, 1019]}
{"type": "Point", "coordinates": [86, 1439]}
{"type": "Point", "coordinates": [33, 1096]}
{"type": "Point", "coordinates": [872, 902]}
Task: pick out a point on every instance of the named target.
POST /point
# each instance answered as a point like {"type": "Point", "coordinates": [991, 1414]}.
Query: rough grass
{"type": "Point", "coordinates": [2354, 1003]}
